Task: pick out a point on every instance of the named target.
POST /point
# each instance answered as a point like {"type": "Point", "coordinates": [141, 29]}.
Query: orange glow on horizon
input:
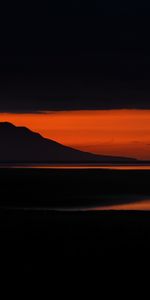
{"type": "Point", "coordinates": [111, 132]}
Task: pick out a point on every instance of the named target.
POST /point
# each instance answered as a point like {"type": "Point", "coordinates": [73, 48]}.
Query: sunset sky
{"type": "Point", "coordinates": [112, 132]}
{"type": "Point", "coordinates": [81, 76]}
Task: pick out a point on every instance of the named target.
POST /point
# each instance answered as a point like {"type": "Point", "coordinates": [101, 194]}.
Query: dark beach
{"type": "Point", "coordinates": [37, 229]}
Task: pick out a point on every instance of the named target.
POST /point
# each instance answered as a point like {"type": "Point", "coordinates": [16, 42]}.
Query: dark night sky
{"type": "Point", "coordinates": [75, 56]}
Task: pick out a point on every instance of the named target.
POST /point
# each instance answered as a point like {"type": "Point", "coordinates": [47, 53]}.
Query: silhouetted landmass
{"type": "Point", "coordinates": [19, 144]}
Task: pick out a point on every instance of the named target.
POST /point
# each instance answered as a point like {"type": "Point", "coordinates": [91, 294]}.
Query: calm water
{"type": "Point", "coordinates": [141, 203]}
{"type": "Point", "coordinates": [79, 166]}
{"type": "Point", "coordinates": [129, 203]}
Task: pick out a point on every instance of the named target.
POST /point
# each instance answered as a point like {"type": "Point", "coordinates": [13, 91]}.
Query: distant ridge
{"type": "Point", "coordinates": [21, 145]}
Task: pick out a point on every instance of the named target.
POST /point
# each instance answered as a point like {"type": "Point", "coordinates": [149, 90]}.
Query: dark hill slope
{"type": "Point", "coordinates": [19, 144]}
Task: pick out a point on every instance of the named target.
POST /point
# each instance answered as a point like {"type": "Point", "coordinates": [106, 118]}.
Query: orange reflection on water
{"type": "Point", "coordinates": [143, 205]}
{"type": "Point", "coordinates": [73, 167]}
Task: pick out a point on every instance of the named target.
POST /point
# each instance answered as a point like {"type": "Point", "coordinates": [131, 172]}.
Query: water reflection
{"type": "Point", "coordinates": [142, 204]}
{"type": "Point", "coordinates": [76, 166]}
{"type": "Point", "coordinates": [130, 202]}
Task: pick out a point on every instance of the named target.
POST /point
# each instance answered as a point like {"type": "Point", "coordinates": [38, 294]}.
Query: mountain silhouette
{"type": "Point", "coordinates": [21, 145]}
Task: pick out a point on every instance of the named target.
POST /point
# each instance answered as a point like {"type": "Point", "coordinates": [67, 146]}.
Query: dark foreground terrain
{"type": "Point", "coordinates": [71, 188]}
{"type": "Point", "coordinates": [37, 240]}
{"type": "Point", "coordinates": [93, 244]}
